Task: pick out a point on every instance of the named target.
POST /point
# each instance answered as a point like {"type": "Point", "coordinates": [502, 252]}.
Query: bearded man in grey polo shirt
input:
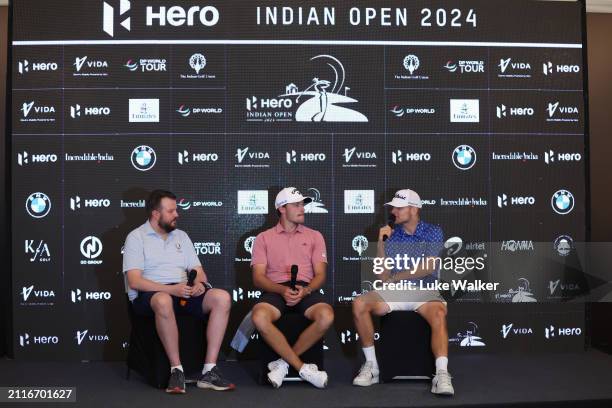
{"type": "Point", "coordinates": [156, 261]}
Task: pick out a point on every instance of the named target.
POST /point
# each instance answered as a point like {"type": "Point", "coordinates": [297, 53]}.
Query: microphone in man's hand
{"type": "Point", "coordinates": [190, 278]}
{"type": "Point", "coordinates": [391, 223]}
{"type": "Point", "coordinates": [294, 272]}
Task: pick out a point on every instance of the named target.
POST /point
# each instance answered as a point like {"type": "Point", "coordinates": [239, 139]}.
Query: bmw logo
{"type": "Point", "coordinates": [464, 157]}
{"type": "Point", "coordinates": [143, 158]}
{"type": "Point", "coordinates": [562, 202]}
{"type": "Point", "coordinates": [38, 205]}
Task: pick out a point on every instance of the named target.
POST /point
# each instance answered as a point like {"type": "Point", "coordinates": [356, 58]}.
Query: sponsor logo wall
{"type": "Point", "coordinates": [492, 138]}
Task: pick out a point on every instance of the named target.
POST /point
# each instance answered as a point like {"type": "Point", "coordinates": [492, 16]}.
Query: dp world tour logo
{"type": "Point", "coordinates": [143, 158]}
{"type": "Point", "coordinates": [319, 101]}
{"type": "Point", "coordinates": [562, 202]}
{"type": "Point", "coordinates": [464, 157]}
{"type": "Point", "coordinates": [38, 205]}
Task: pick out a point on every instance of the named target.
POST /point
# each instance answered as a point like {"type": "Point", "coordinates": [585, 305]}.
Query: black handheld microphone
{"type": "Point", "coordinates": [190, 278]}
{"type": "Point", "coordinates": [391, 223]}
{"type": "Point", "coordinates": [294, 272]}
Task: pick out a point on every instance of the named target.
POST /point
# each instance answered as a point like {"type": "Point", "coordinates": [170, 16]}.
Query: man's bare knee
{"type": "Point", "coordinates": [161, 303]}
{"type": "Point", "coordinates": [262, 317]}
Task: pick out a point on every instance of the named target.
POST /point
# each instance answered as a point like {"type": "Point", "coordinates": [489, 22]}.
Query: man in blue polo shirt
{"type": "Point", "coordinates": [415, 239]}
{"type": "Point", "coordinates": [156, 260]}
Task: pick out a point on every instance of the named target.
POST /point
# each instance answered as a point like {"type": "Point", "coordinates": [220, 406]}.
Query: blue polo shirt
{"type": "Point", "coordinates": [162, 261]}
{"type": "Point", "coordinates": [427, 241]}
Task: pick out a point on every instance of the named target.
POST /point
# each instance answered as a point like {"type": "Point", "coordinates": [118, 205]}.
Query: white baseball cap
{"type": "Point", "coordinates": [406, 198]}
{"type": "Point", "coordinates": [290, 195]}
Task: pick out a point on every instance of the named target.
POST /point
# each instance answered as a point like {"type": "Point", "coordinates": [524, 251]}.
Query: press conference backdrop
{"type": "Point", "coordinates": [477, 105]}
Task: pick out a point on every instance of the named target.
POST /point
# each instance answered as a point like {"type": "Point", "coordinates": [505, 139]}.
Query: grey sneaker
{"type": "Point", "coordinates": [441, 383]}
{"type": "Point", "coordinates": [367, 376]}
{"type": "Point", "coordinates": [176, 383]}
{"type": "Point", "coordinates": [214, 380]}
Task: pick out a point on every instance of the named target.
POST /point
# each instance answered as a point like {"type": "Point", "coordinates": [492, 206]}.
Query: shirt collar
{"type": "Point", "coordinates": [150, 231]}
{"type": "Point", "coordinates": [418, 231]}
{"type": "Point", "coordinates": [279, 228]}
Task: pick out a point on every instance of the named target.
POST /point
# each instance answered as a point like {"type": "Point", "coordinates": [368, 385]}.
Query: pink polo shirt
{"type": "Point", "coordinates": [278, 250]}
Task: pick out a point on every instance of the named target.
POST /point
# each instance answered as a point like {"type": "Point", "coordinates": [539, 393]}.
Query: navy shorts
{"type": "Point", "coordinates": [278, 301]}
{"type": "Point", "coordinates": [193, 306]}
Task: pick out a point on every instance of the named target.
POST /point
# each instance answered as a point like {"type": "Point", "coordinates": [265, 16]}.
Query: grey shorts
{"type": "Point", "coordinates": [409, 300]}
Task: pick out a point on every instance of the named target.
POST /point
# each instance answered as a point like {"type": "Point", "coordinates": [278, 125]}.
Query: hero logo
{"type": "Point", "coordinates": [39, 251]}
{"type": "Point", "coordinates": [293, 157]}
{"type": "Point", "coordinates": [552, 331]}
{"type": "Point", "coordinates": [27, 291]}
{"type": "Point", "coordinates": [75, 203]}
{"type": "Point", "coordinates": [319, 101]}
{"type": "Point", "coordinates": [548, 68]}
{"type": "Point", "coordinates": [184, 158]}
{"type": "Point", "coordinates": [503, 200]}
{"type": "Point", "coordinates": [503, 111]}
{"type": "Point", "coordinates": [91, 248]}
{"type": "Point", "coordinates": [347, 336]}
{"type": "Point", "coordinates": [398, 156]}
{"type": "Point", "coordinates": [77, 295]}
{"type": "Point", "coordinates": [25, 339]}
{"type": "Point", "coordinates": [550, 157]}
{"type": "Point", "coordinates": [239, 293]}
{"type": "Point", "coordinates": [82, 335]}
{"type": "Point", "coordinates": [75, 111]}
{"type": "Point", "coordinates": [25, 66]}
{"type": "Point", "coordinates": [509, 328]}
{"type": "Point", "coordinates": [25, 158]}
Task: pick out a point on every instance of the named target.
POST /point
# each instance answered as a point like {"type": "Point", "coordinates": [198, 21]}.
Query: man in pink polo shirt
{"type": "Point", "coordinates": [274, 252]}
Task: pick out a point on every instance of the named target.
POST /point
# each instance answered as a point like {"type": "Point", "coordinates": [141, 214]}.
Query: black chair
{"type": "Point", "coordinates": [404, 348]}
{"type": "Point", "coordinates": [291, 324]}
{"type": "Point", "coordinates": [146, 354]}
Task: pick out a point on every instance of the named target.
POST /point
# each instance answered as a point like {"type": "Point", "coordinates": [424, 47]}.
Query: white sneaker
{"type": "Point", "coordinates": [441, 383]}
{"type": "Point", "coordinates": [312, 374]}
{"type": "Point", "coordinates": [278, 371]}
{"type": "Point", "coordinates": [368, 375]}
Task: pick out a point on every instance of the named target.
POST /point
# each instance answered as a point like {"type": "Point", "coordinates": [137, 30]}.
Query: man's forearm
{"type": "Point", "coordinates": [317, 282]}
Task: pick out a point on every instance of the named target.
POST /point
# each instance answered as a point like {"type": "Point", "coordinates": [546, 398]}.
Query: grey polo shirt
{"type": "Point", "coordinates": [161, 261]}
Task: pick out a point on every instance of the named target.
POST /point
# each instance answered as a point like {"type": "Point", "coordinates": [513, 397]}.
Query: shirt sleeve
{"type": "Point", "coordinates": [319, 252]}
{"type": "Point", "coordinates": [259, 256]}
{"type": "Point", "coordinates": [190, 254]}
{"type": "Point", "coordinates": [133, 252]}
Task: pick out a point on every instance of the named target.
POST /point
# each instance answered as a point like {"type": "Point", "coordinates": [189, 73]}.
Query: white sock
{"type": "Point", "coordinates": [208, 367]}
{"type": "Point", "coordinates": [370, 355]}
{"type": "Point", "coordinates": [180, 367]}
{"type": "Point", "coordinates": [441, 364]}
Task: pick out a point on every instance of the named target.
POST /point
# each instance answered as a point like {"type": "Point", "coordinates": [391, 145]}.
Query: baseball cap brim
{"type": "Point", "coordinates": [396, 202]}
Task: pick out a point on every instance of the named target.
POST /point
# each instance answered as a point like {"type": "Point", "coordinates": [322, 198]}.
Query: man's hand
{"type": "Point", "coordinates": [291, 296]}
{"type": "Point", "coordinates": [182, 290]}
{"type": "Point", "coordinates": [386, 230]}
{"type": "Point", "coordinates": [198, 289]}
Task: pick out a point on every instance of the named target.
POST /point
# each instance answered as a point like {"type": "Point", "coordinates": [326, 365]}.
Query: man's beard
{"type": "Point", "coordinates": [166, 226]}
